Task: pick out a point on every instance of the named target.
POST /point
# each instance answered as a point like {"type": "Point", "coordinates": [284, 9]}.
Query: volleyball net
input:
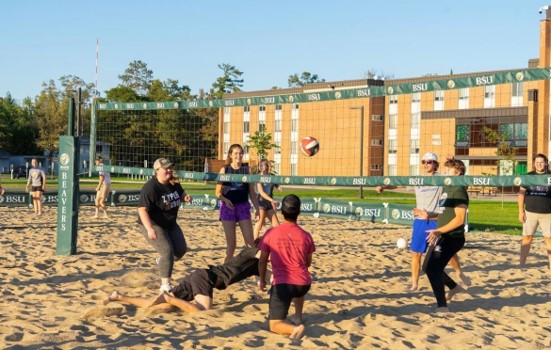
{"type": "Point", "coordinates": [370, 132]}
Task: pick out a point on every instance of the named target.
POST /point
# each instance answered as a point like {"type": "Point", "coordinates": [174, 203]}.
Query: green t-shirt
{"type": "Point", "coordinates": [451, 197]}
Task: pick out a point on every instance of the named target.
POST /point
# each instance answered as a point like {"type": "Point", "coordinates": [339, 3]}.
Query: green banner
{"type": "Point", "coordinates": [369, 181]}
{"type": "Point", "coordinates": [451, 83]}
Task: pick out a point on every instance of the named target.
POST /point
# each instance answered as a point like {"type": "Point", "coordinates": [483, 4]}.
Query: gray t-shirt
{"type": "Point", "coordinates": [36, 177]}
{"type": "Point", "coordinates": [428, 198]}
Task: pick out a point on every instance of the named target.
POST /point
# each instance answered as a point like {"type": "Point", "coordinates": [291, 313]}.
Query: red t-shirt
{"type": "Point", "coordinates": [289, 245]}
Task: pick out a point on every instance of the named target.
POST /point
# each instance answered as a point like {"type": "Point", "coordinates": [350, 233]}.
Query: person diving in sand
{"type": "Point", "coordinates": [195, 291]}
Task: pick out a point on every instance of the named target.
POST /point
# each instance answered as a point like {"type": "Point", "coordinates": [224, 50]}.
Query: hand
{"type": "Point", "coordinates": [227, 202]}
{"type": "Point", "coordinates": [151, 233]}
{"type": "Point", "coordinates": [275, 204]}
{"type": "Point", "coordinates": [420, 213]}
{"type": "Point", "coordinates": [97, 188]}
{"type": "Point", "coordinates": [187, 198]}
{"type": "Point", "coordinates": [379, 189]}
{"type": "Point", "coordinates": [522, 217]}
{"type": "Point", "coordinates": [262, 285]}
{"type": "Point", "coordinates": [433, 236]}
{"type": "Point", "coordinates": [2, 191]}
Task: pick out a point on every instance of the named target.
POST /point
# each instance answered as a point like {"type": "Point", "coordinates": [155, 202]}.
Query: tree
{"type": "Point", "coordinates": [504, 150]}
{"type": "Point", "coordinates": [305, 78]}
{"type": "Point", "coordinates": [229, 82]}
{"type": "Point", "coordinates": [261, 143]}
{"type": "Point", "coordinates": [373, 74]}
{"type": "Point", "coordinates": [137, 77]}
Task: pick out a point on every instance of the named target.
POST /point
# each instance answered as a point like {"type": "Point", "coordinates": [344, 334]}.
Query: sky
{"type": "Point", "coordinates": [43, 40]}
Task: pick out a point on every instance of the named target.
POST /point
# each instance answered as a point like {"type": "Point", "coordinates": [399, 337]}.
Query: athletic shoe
{"type": "Point", "coordinates": [157, 259]}
{"type": "Point", "coordinates": [166, 288]}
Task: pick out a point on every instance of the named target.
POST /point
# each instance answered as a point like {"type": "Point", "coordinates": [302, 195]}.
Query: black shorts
{"type": "Point", "coordinates": [198, 282]}
{"type": "Point", "coordinates": [264, 204]}
{"type": "Point", "coordinates": [281, 296]}
{"type": "Point", "coordinates": [36, 189]}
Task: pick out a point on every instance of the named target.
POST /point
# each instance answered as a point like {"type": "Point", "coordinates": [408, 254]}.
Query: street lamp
{"type": "Point", "coordinates": [361, 108]}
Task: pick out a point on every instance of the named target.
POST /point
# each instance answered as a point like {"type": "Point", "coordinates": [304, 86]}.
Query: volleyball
{"type": "Point", "coordinates": [309, 146]}
{"type": "Point", "coordinates": [401, 243]}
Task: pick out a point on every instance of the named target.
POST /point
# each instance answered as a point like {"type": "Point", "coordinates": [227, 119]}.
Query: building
{"type": "Point", "coordinates": [375, 127]}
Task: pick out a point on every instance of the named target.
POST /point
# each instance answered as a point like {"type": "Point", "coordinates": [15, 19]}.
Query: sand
{"type": "Point", "coordinates": [358, 300]}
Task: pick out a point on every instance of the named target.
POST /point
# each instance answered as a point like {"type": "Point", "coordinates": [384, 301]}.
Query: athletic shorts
{"type": "Point", "coordinates": [240, 212]}
{"type": "Point", "coordinates": [533, 220]}
{"type": "Point", "coordinates": [36, 189]}
{"type": "Point", "coordinates": [419, 234]}
{"type": "Point", "coordinates": [281, 296]}
{"type": "Point", "coordinates": [264, 204]}
{"type": "Point", "coordinates": [198, 282]}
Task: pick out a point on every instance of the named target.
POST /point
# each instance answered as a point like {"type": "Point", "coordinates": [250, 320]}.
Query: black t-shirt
{"type": "Point", "coordinates": [241, 266]}
{"type": "Point", "coordinates": [452, 196]}
{"type": "Point", "coordinates": [537, 199]}
{"type": "Point", "coordinates": [236, 192]}
{"type": "Point", "coordinates": [162, 202]}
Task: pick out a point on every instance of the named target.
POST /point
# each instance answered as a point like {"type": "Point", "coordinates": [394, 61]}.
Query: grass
{"type": "Point", "coordinates": [484, 215]}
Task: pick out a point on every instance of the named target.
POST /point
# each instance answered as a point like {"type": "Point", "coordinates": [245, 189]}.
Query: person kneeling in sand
{"type": "Point", "coordinates": [290, 249]}
{"type": "Point", "coordinates": [199, 285]}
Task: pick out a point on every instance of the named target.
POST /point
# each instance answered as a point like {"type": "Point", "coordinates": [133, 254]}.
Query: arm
{"type": "Point", "coordinates": [101, 179]}
{"type": "Point", "coordinates": [309, 260]}
{"type": "Point", "coordinates": [380, 189]}
{"type": "Point", "coordinates": [146, 221]}
{"type": "Point", "coordinates": [521, 211]}
{"type": "Point", "coordinates": [218, 191]}
{"type": "Point", "coordinates": [263, 194]}
{"type": "Point", "coordinates": [262, 267]}
{"type": "Point", "coordinates": [458, 220]}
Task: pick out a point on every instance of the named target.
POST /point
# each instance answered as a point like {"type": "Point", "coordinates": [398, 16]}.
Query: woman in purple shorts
{"type": "Point", "coordinates": [234, 197]}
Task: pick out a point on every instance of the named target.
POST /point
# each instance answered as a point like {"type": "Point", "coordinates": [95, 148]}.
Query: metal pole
{"type": "Point", "coordinates": [361, 148]}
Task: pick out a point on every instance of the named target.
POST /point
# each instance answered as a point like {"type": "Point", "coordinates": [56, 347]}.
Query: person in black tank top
{"type": "Point", "coordinates": [234, 201]}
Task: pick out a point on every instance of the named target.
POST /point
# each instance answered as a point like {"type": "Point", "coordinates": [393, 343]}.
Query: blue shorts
{"type": "Point", "coordinates": [419, 234]}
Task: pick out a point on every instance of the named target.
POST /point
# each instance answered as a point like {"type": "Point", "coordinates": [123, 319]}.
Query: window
{"type": "Point", "coordinates": [415, 120]}
{"type": "Point", "coordinates": [376, 142]}
{"type": "Point", "coordinates": [393, 121]}
{"type": "Point", "coordinates": [416, 97]}
{"type": "Point", "coordinates": [392, 146]}
{"type": "Point", "coordinates": [246, 108]}
{"type": "Point", "coordinates": [438, 100]}
{"type": "Point", "coordinates": [392, 170]}
{"type": "Point", "coordinates": [414, 146]}
{"type": "Point", "coordinates": [464, 98]}
{"type": "Point", "coordinates": [516, 94]}
{"type": "Point", "coordinates": [262, 108]}
{"type": "Point", "coordinates": [393, 99]}
{"type": "Point", "coordinates": [414, 170]}
{"type": "Point", "coordinates": [376, 167]}
{"type": "Point", "coordinates": [489, 96]}
{"type": "Point", "coordinates": [278, 107]}
{"type": "Point", "coordinates": [377, 118]}
{"type": "Point", "coordinates": [462, 135]}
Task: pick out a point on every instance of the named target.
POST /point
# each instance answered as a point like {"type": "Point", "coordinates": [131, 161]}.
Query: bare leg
{"type": "Point", "coordinates": [258, 225]}
{"type": "Point", "coordinates": [247, 231]}
{"type": "Point", "coordinates": [454, 262]}
{"type": "Point", "coordinates": [451, 293]}
{"type": "Point", "coordinates": [547, 241]}
{"type": "Point", "coordinates": [229, 230]}
{"type": "Point", "coordinates": [273, 218]}
{"type": "Point", "coordinates": [136, 301]}
{"type": "Point", "coordinates": [415, 266]}
{"type": "Point", "coordinates": [296, 319]}
{"type": "Point", "coordinates": [525, 248]}
{"type": "Point", "coordinates": [283, 327]}
{"type": "Point", "coordinates": [39, 203]}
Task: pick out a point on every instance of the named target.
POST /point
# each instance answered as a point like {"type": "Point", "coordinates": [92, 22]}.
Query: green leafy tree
{"type": "Point", "coordinates": [504, 150]}
{"type": "Point", "coordinates": [16, 125]}
{"type": "Point", "coordinates": [305, 78]}
{"type": "Point", "coordinates": [230, 82]}
{"type": "Point", "coordinates": [261, 143]}
{"type": "Point", "coordinates": [137, 77]}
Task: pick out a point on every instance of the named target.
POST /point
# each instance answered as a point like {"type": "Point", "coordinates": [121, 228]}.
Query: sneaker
{"type": "Point", "coordinates": [157, 259]}
{"type": "Point", "coordinates": [166, 288]}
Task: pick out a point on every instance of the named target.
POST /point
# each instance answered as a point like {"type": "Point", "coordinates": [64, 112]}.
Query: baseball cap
{"type": "Point", "coordinates": [430, 156]}
{"type": "Point", "coordinates": [162, 163]}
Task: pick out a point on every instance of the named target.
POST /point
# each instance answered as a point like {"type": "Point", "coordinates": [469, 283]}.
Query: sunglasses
{"type": "Point", "coordinates": [427, 162]}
